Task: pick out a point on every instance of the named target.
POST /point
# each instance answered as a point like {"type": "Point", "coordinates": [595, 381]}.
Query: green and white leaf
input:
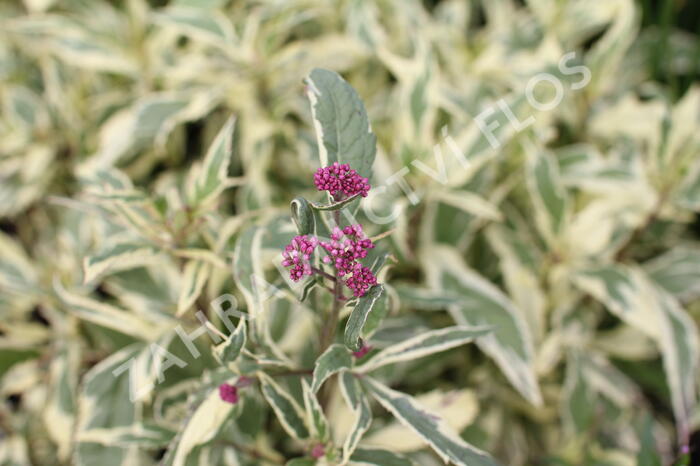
{"type": "Point", "coordinates": [446, 443]}
{"type": "Point", "coordinates": [628, 293]}
{"type": "Point", "coordinates": [142, 435]}
{"type": "Point", "coordinates": [105, 403]}
{"type": "Point", "coordinates": [108, 316]}
{"type": "Point", "coordinates": [205, 423]}
{"type": "Point", "coordinates": [370, 302]}
{"type": "Point", "coordinates": [335, 359]}
{"type": "Point", "coordinates": [357, 401]}
{"type": "Point", "coordinates": [320, 429]}
{"type": "Point", "coordinates": [194, 276]}
{"type": "Point", "coordinates": [122, 256]}
{"type": "Point", "coordinates": [425, 344]}
{"type": "Point", "coordinates": [678, 271]}
{"type": "Point", "coordinates": [60, 412]}
{"type": "Point", "coordinates": [228, 351]}
{"type": "Point", "coordinates": [340, 119]}
{"type": "Point", "coordinates": [378, 457]}
{"type": "Point", "coordinates": [482, 304]}
{"type": "Point", "coordinates": [303, 216]}
{"type": "Point", "coordinates": [208, 180]}
{"type": "Point", "coordinates": [287, 410]}
{"type": "Point", "coordinates": [547, 192]}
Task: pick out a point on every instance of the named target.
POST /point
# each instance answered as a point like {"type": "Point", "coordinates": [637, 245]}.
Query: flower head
{"type": "Point", "coordinates": [228, 393]}
{"type": "Point", "coordinates": [340, 178]}
{"type": "Point", "coordinates": [346, 247]}
{"type": "Point", "coordinates": [297, 255]}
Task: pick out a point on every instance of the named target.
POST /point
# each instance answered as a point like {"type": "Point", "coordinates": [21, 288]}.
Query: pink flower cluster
{"type": "Point", "coordinates": [297, 254]}
{"type": "Point", "coordinates": [346, 247]}
{"type": "Point", "coordinates": [341, 178]}
{"type": "Point", "coordinates": [344, 251]}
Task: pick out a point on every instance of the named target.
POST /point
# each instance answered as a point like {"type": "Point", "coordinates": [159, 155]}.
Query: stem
{"type": "Point", "coordinates": [328, 331]}
{"type": "Point", "coordinates": [329, 327]}
{"type": "Point", "coordinates": [323, 273]}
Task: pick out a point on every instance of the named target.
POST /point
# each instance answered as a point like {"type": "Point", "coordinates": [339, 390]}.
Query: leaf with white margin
{"type": "Point", "coordinates": [208, 180]}
{"type": "Point", "coordinates": [457, 408]}
{"type": "Point", "coordinates": [143, 435]}
{"type": "Point", "coordinates": [578, 397]}
{"type": "Point", "coordinates": [678, 272]}
{"type": "Point", "coordinates": [482, 303]}
{"type": "Point", "coordinates": [340, 119]}
{"type": "Point", "coordinates": [105, 403]}
{"type": "Point", "coordinates": [229, 350]}
{"type": "Point", "coordinates": [107, 315]}
{"type": "Point", "coordinates": [60, 411]}
{"type": "Point", "coordinates": [303, 216]}
{"type": "Point", "coordinates": [521, 283]}
{"type": "Point", "coordinates": [333, 360]}
{"type": "Point", "coordinates": [247, 259]}
{"type": "Point", "coordinates": [17, 272]}
{"type": "Point", "coordinates": [689, 192]}
{"type": "Point", "coordinates": [288, 411]}
{"type": "Point", "coordinates": [378, 457]}
{"type": "Point", "coordinates": [470, 203]}
{"type": "Point", "coordinates": [434, 341]}
{"type": "Point", "coordinates": [205, 423]}
{"type": "Point", "coordinates": [358, 403]}
{"type": "Point", "coordinates": [431, 428]}
{"type": "Point", "coordinates": [314, 414]}
{"type": "Point", "coordinates": [547, 192]}
{"type": "Point", "coordinates": [194, 277]}
{"type": "Point", "coordinates": [360, 316]}
{"type": "Point", "coordinates": [122, 256]}
{"type": "Point", "coordinates": [210, 26]}
{"type": "Point", "coordinates": [628, 293]}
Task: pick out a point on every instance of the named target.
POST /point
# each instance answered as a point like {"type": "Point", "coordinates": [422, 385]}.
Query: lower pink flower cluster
{"type": "Point", "coordinates": [344, 251]}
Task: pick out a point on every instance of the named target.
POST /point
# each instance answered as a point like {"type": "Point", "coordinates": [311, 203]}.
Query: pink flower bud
{"type": "Point", "coordinates": [228, 393]}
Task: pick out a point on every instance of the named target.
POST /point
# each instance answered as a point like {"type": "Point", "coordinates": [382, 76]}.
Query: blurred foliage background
{"type": "Point", "coordinates": [580, 235]}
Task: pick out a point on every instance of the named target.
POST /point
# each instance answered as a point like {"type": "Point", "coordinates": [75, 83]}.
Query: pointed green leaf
{"type": "Point", "coordinates": [628, 293]}
{"type": "Point", "coordinates": [425, 344]}
{"type": "Point", "coordinates": [342, 128]}
{"type": "Point", "coordinates": [118, 257]}
{"type": "Point", "coordinates": [314, 414]}
{"type": "Point", "coordinates": [358, 319]}
{"type": "Point", "coordinates": [431, 428]}
{"type": "Point", "coordinates": [210, 178]}
{"type": "Point", "coordinates": [288, 411]}
{"type": "Point", "coordinates": [378, 457]}
{"type": "Point", "coordinates": [194, 277]}
{"type": "Point", "coordinates": [229, 350]}
{"type": "Point", "coordinates": [358, 403]}
{"type": "Point", "coordinates": [303, 216]}
{"type": "Point", "coordinates": [332, 361]}
{"type": "Point", "coordinates": [483, 304]}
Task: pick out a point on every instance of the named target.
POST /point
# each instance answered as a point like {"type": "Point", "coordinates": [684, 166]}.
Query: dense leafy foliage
{"type": "Point", "coordinates": [527, 173]}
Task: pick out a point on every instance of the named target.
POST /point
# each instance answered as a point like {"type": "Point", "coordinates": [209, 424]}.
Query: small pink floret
{"type": "Point", "coordinates": [228, 393]}
{"type": "Point", "coordinates": [318, 451]}
{"type": "Point", "coordinates": [362, 352]}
